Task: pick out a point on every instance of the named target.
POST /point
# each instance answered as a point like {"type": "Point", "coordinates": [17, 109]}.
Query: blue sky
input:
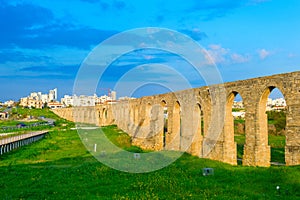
{"type": "Point", "coordinates": [44, 42]}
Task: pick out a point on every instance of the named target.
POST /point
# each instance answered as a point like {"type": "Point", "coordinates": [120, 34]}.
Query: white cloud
{"type": "Point", "coordinates": [218, 53]}
{"type": "Point", "coordinates": [222, 55]}
{"type": "Point", "coordinates": [263, 54]}
{"type": "Point", "coordinates": [237, 58]}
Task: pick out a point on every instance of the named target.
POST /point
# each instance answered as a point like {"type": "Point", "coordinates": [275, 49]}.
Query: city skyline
{"type": "Point", "coordinates": [44, 98]}
{"type": "Point", "coordinates": [43, 43]}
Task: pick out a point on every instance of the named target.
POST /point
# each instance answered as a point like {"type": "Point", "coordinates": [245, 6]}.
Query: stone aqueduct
{"type": "Point", "coordinates": [195, 114]}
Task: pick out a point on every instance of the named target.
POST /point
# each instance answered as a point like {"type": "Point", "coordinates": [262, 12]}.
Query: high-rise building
{"type": "Point", "coordinates": [113, 95]}
{"type": "Point", "coordinates": [52, 95]}
{"type": "Point", "coordinates": [44, 98]}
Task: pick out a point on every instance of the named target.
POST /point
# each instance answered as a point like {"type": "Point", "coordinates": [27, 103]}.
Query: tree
{"type": "Point", "coordinates": [278, 119]}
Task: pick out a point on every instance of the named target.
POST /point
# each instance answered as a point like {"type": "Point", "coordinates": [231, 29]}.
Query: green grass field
{"type": "Point", "coordinates": [276, 141]}
{"type": "Point", "coordinates": [18, 115]}
{"type": "Point", "coordinates": [60, 167]}
{"type": "Point", "coordinates": [277, 144]}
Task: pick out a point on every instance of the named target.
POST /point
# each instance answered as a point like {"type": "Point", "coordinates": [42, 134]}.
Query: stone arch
{"type": "Point", "coordinates": [124, 115]}
{"type": "Point", "coordinates": [263, 131]}
{"type": "Point", "coordinates": [147, 114]}
{"type": "Point", "coordinates": [111, 116]}
{"type": "Point", "coordinates": [196, 146]}
{"type": "Point", "coordinates": [104, 113]}
{"type": "Point", "coordinates": [104, 116]}
{"type": "Point", "coordinates": [148, 124]}
{"type": "Point", "coordinates": [131, 118]}
{"type": "Point", "coordinates": [254, 91]}
{"type": "Point", "coordinates": [131, 114]}
{"type": "Point", "coordinates": [145, 119]}
{"type": "Point", "coordinates": [164, 125]}
{"type": "Point", "coordinates": [204, 100]}
{"type": "Point", "coordinates": [136, 115]}
{"type": "Point", "coordinates": [99, 113]}
{"type": "Point", "coordinates": [198, 114]}
{"type": "Point", "coordinates": [98, 116]}
{"type": "Point", "coordinates": [176, 126]}
{"type": "Point", "coordinates": [230, 146]}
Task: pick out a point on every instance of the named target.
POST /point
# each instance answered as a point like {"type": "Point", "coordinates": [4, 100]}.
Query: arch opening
{"type": "Point", "coordinates": [99, 114]}
{"type": "Point", "coordinates": [235, 103]}
{"type": "Point", "coordinates": [105, 114]}
{"type": "Point", "coordinates": [165, 123]}
{"type": "Point", "coordinates": [199, 119]}
{"type": "Point", "coordinates": [177, 133]}
{"type": "Point", "coordinates": [196, 147]}
{"type": "Point", "coordinates": [131, 118]}
{"type": "Point", "coordinates": [136, 116]}
{"type": "Point", "coordinates": [148, 132]}
{"type": "Point", "coordinates": [272, 118]}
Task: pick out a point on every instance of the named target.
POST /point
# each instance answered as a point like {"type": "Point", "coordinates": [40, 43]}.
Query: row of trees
{"type": "Point", "coordinates": [276, 121]}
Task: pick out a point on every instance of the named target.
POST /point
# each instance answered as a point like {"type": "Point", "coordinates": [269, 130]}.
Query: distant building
{"type": "Point", "coordinates": [238, 104]}
{"type": "Point", "coordinates": [103, 99]}
{"type": "Point", "coordinates": [237, 115]}
{"type": "Point", "coordinates": [4, 115]}
{"type": "Point", "coordinates": [125, 98]}
{"type": "Point", "coordinates": [44, 98]}
{"type": "Point", "coordinates": [38, 100]}
{"type": "Point", "coordinates": [272, 105]}
{"type": "Point", "coordinates": [113, 95]}
{"type": "Point", "coordinates": [52, 95]}
{"type": "Point", "coordinates": [81, 100]}
{"type": "Point", "coordinates": [276, 104]}
{"type": "Point", "coordinates": [55, 105]}
{"type": "Point", "coordinates": [31, 102]}
{"type": "Point", "coordinates": [84, 100]}
{"type": "Point", "coordinates": [67, 101]}
{"type": "Point", "coordinates": [9, 103]}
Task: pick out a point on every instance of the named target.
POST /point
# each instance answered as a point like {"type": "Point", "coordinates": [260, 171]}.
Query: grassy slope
{"type": "Point", "coordinates": [31, 112]}
{"type": "Point", "coordinates": [59, 167]}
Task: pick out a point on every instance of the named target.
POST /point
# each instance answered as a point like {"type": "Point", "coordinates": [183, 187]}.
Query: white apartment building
{"type": "Point", "coordinates": [272, 105]}
{"type": "Point", "coordinates": [276, 104]}
{"type": "Point", "coordinates": [237, 104]}
{"type": "Point", "coordinates": [37, 99]}
{"type": "Point", "coordinates": [113, 95]}
{"type": "Point", "coordinates": [9, 103]}
{"type": "Point", "coordinates": [84, 100]}
{"type": "Point", "coordinates": [52, 96]}
{"type": "Point", "coordinates": [67, 100]}
{"type": "Point", "coordinates": [103, 99]}
{"type": "Point", "coordinates": [44, 98]}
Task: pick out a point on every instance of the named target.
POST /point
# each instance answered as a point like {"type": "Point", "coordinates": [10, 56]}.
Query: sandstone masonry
{"type": "Point", "coordinates": [199, 121]}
